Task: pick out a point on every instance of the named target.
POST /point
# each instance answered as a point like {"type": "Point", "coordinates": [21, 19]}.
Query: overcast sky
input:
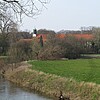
{"type": "Point", "coordinates": [66, 14]}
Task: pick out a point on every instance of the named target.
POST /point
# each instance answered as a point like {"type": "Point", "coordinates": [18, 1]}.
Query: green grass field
{"type": "Point", "coordinates": [87, 70]}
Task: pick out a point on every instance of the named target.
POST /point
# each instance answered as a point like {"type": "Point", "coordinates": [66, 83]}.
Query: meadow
{"type": "Point", "coordinates": [87, 70]}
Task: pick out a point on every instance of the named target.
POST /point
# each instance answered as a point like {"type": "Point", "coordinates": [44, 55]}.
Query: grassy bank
{"type": "Point", "coordinates": [87, 70]}
{"type": "Point", "coordinates": [51, 84]}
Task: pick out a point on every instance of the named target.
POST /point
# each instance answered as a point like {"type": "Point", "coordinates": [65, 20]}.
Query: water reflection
{"type": "Point", "coordinates": [9, 91]}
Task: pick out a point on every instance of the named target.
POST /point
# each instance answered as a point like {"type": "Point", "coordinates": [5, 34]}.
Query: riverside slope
{"type": "Point", "coordinates": [51, 85]}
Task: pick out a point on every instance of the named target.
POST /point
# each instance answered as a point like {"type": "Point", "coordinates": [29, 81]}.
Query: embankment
{"type": "Point", "coordinates": [51, 85]}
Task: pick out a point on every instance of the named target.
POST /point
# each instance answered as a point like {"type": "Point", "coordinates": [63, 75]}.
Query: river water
{"type": "Point", "coordinates": [9, 91]}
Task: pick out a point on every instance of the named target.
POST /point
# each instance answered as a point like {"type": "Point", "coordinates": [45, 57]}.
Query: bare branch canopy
{"type": "Point", "coordinates": [18, 8]}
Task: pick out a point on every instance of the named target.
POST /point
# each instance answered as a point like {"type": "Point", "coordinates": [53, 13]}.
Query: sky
{"type": "Point", "coordinates": [65, 15]}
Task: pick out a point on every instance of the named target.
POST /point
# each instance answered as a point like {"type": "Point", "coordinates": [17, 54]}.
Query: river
{"type": "Point", "coordinates": [9, 91]}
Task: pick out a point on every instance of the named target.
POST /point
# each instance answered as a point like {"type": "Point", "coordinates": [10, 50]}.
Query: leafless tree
{"type": "Point", "coordinates": [26, 7]}
{"type": "Point", "coordinates": [96, 42]}
{"type": "Point", "coordinates": [6, 21]}
{"type": "Point", "coordinates": [7, 25]}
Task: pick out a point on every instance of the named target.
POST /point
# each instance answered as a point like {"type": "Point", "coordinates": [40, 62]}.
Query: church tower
{"type": "Point", "coordinates": [34, 33]}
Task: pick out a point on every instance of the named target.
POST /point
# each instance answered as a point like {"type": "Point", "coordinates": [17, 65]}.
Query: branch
{"type": "Point", "coordinates": [29, 8]}
{"type": "Point", "coordinates": [11, 1]}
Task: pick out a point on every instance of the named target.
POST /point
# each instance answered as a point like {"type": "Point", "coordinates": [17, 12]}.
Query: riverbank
{"type": "Point", "coordinates": [10, 91]}
{"type": "Point", "coordinates": [51, 85]}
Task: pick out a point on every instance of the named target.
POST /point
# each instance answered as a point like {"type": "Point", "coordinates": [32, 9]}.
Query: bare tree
{"type": "Point", "coordinates": [96, 43]}
{"type": "Point", "coordinates": [7, 25]}
{"type": "Point", "coordinates": [6, 21]}
{"type": "Point", "coordinates": [26, 7]}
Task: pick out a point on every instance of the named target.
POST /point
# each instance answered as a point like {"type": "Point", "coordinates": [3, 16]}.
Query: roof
{"type": "Point", "coordinates": [78, 36]}
{"type": "Point", "coordinates": [44, 36]}
{"type": "Point", "coordinates": [84, 36]}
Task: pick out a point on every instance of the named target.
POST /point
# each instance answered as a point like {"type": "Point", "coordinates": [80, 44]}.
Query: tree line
{"type": "Point", "coordinates": [20, 46]}
{"type": "Point", "coordinates": [53, 48]}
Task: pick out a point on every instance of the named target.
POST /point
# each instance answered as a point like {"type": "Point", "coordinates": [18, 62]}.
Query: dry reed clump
{"type": "Point", "coordinates": [52, 85]}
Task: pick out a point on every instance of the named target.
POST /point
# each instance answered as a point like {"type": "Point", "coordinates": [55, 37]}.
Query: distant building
{"type": "Point", "coordinates": [34, 33]}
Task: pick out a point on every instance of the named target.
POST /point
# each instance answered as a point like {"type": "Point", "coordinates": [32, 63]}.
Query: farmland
{"type": "Point", "coordinates": [87, 70]}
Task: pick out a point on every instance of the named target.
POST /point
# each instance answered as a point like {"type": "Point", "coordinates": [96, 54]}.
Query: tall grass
{"type": "Point", "coordinates": [51, 84]}
{"type": "Point", "coordinates": [87, 70]}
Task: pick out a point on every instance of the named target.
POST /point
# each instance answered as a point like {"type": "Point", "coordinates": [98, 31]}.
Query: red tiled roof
{"type": "Point", "coordinates": [84, 36]}
{"type": "Point", "coordinates": [61, 35]}
{"type": "Point", "coordinates": [44, 36]}
{"type": "Point", "coordinates": [78, 36]}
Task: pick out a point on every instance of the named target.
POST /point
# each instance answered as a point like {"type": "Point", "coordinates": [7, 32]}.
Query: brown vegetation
{"type": "Point", "coordinates": [52, 85]}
